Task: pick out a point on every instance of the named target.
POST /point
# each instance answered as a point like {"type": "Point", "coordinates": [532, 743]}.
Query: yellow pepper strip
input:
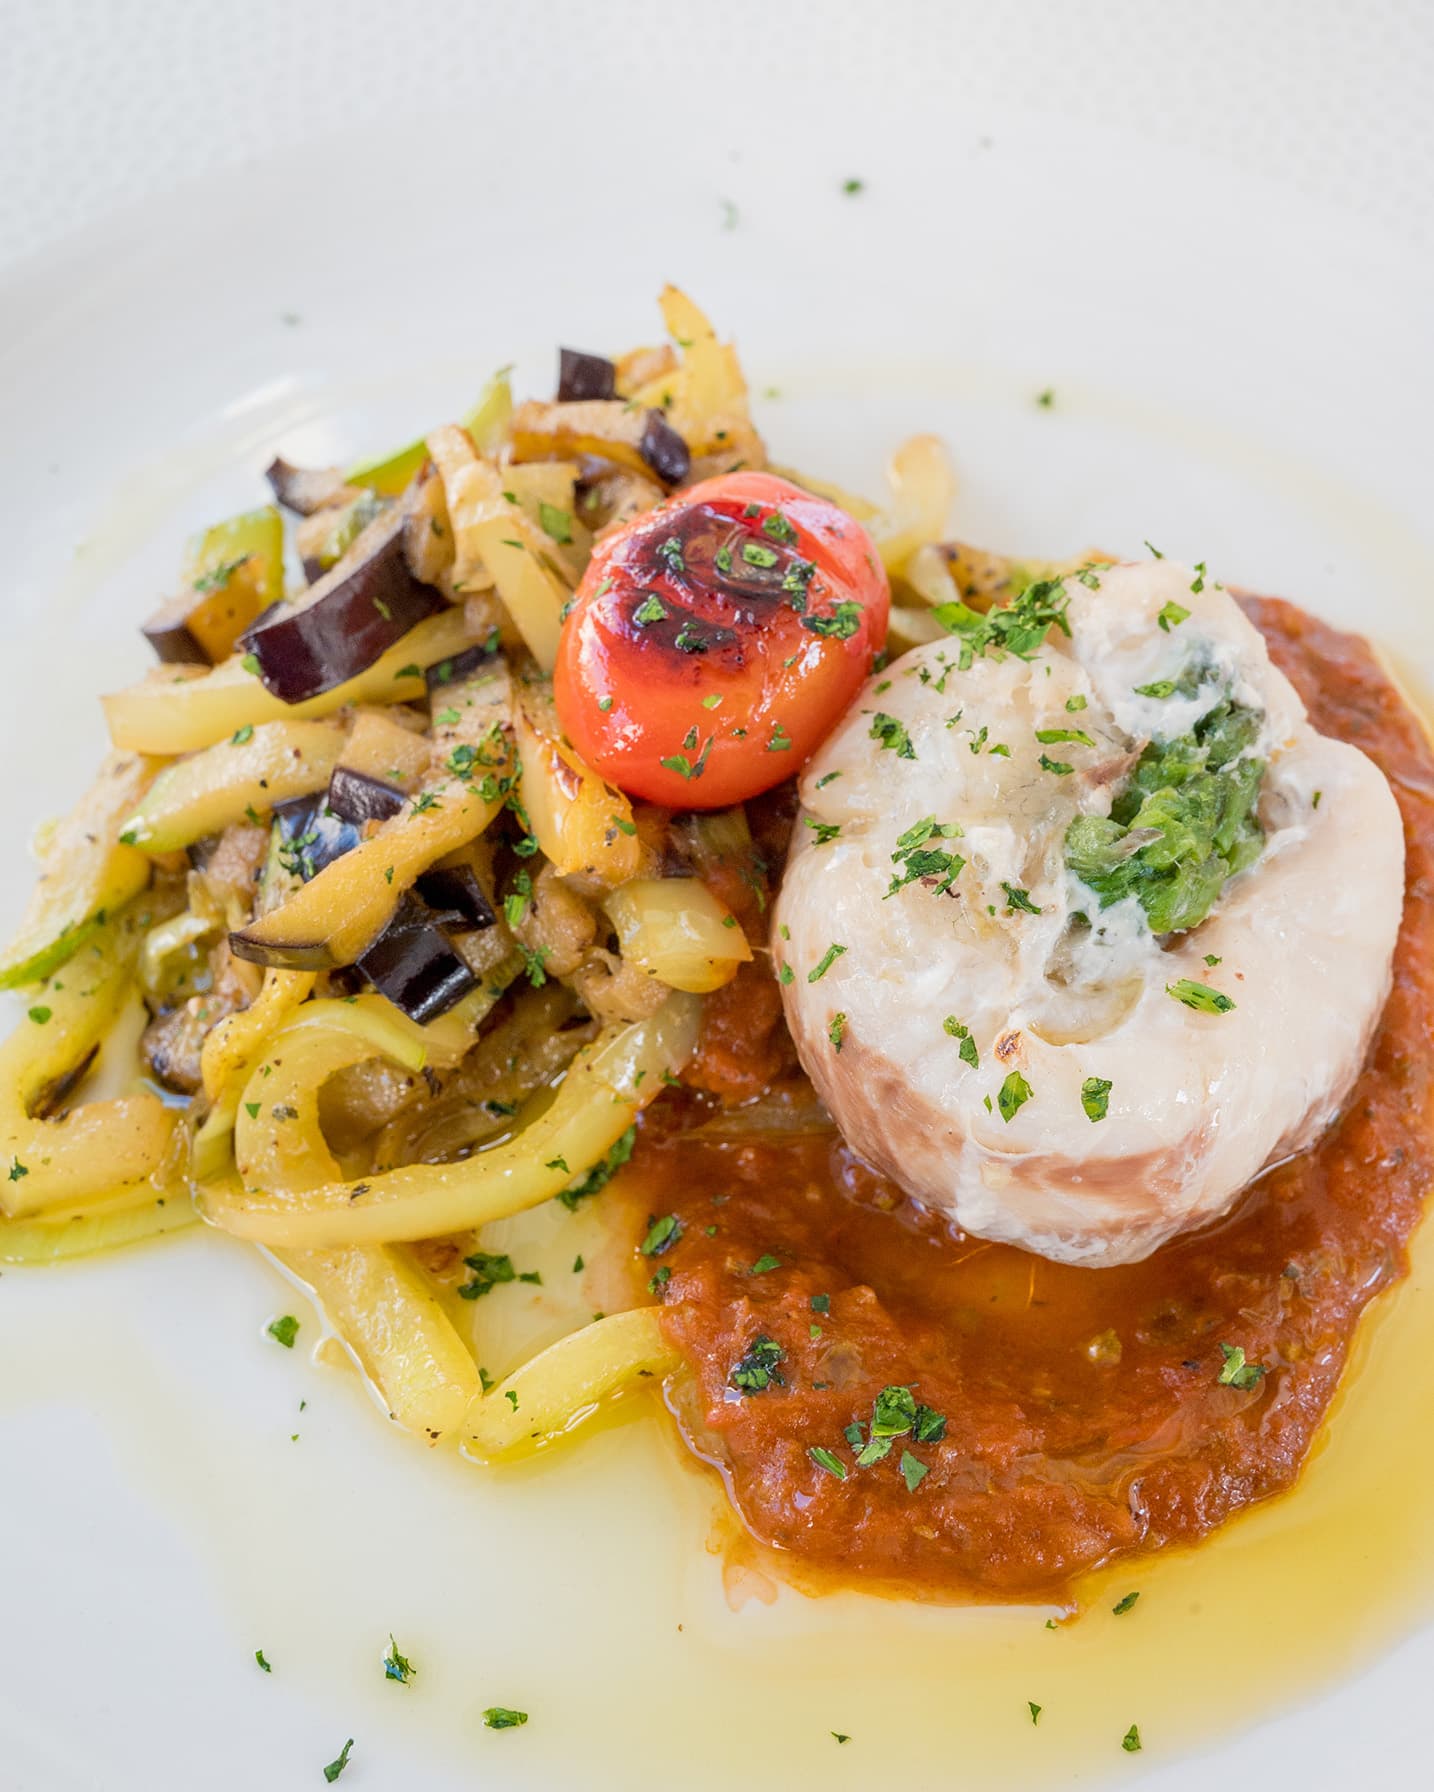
{"type": "Point", "coordinates": [102, 1147]}
{"type": "Point", "coordinates": [496, 537]}
{"type": "Point", "coordinates": [176, 713]}
{"type": "Point", "coordinates": [555, 1391]}
{"type": "Point", "coordinates": [252, 770]}
{"type": "Point", "coordinates": [101, 1228]}
{"type": "Point", "coordinates": [600, 1097]}
{"type": "Point", "coordinates": [378, 1301]}
{"type": "Point", "coordinates": [84, 873]}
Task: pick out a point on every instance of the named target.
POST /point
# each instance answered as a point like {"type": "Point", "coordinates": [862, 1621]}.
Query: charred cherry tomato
{"type": "Point", "coordinates": [715, 641]}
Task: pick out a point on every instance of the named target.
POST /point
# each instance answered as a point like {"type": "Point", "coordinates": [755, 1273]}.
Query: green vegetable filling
{"type": "Point", "coordinates": [1183, 826]}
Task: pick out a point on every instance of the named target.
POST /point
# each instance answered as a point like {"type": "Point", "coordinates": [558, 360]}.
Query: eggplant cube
{"type": "Point", "coordinates": [415, 964]}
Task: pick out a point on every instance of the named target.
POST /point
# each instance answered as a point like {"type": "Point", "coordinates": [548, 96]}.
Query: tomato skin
{"type": "Point", "coordinates": [727, 631]}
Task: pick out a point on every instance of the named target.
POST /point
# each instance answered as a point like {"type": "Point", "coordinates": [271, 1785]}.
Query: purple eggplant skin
{"type": "Point", "coordinates": [343, 623]}
{"type": "Point", "coordinates": [357, 798]}
{"type": "Point", "coordinates": [303, 490]}
{"type": "Point", "coordinates": [415, 964]}
{"type": "Point", "coordinates": [455, 891]}
{"type": "Point", "coordinates": [449, 671]}
{"type": "Point", "coordinates": [583, 376]}
{"type": "Point", "coordinates": [167, 632]}
{"type": "Point", "coordinates": [313, 835]}
{"type": "Point", "coordinates": [664, 450]}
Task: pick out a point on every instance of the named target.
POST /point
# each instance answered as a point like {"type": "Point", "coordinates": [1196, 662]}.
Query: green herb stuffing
{"type": "Point", "coordinates": [1181, 828]}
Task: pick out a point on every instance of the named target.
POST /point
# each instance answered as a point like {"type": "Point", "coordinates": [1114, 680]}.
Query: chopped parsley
{"type": "Point", "coordinates": [336, 1767]}
{"type": "Point", "coordinates": [1238, 1371]}
{"type": "Point", "coordinates": [1122, 1606]}
{"type": "Point", "coordinates": [968, 1052]}
{"type": "Point", "coordinates": [892, 734]}
{"type": "Point", "coordinates": [764, 1265]}
{"type": "Point", "coordinates": [824, 1458]}
{"type": "Point", "coordinates": [17, 1170]}
{"type": "Point", "coordinates": [489, 1269]}
{"type": "Point", "coordinates": [758, 1367]}
{"type": "Point", "coordinates": [1060, 768]}
{"type": "Point", "coordinates": [1172, 615]}
{"type": "Point", "coordinates": [662, 1234]}
{"type": "Point", "coordinates": [533, 960]}
{"type": "Point", "coordinates": [1073, 705]}
{"type": "Point", "coordinates": [499, 1717]}
{"type": "Point", "coordinates": [912, 1471]}
{"type": "Point", "coordinates": [1019, 900]}
{"type": "Point", "coordinates": [557, 523]}
{"type": "Point", "coordinates": [1095, 1097]}
{"type": "Point", "coordinates": [828, 959]}
{"type": "Point", "coordinates": [1050, 737]}
{"type": "Point", "coordinates": [259, 1657]}
{"type": "Point", "coordinates": [921, 861]}
{"type": "Point", "coordinates": [1130, 1741]}
{"type": "Point", "coordinates": [1019, 628]}
{"type": "Point", "coordinates": [284, 1330]}
{"type": "Point", "coordinates": [841, 625]}
{"type": "Point", "coordinates": [1199, 996]}
{"type": "Point", "coordinates": [687, 768]}
{"type": "Point", "coordinates": [601, 1173]}
{"type": "Point", "coordinates": [395, 1666]}
{"type": "Point", "coordinates": [824, 830]}
{"type": "Point", "coordinates": [218, 577]}
{"type": "Point", "coordinates": [1034, 1709]}
{"type": "Point", "coordinates": [836, 1030]}
{"type": "Point", "coordinates": [757, 553]}
{"type": "Point", "coordinates": [40, 1015]}
{"type": "Point", "coordinates": [241, 735]}
{"type": "Point", "coordinates": [1182, 826]}
{"type": "Point", "coordinates": [650, 610]}
{"type": "Point", "coordinates": [1015, 1092]}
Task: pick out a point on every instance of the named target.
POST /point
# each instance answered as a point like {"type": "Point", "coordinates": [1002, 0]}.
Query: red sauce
{"type": "Point", "coordinates": [1084, 1414]}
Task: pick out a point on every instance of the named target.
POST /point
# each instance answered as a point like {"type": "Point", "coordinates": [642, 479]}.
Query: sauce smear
{"type": "Point", "coordinates": [1085, 1414]}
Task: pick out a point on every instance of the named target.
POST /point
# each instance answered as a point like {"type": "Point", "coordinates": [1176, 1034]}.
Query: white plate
{"type": "Point", "coordinates": [1241, 375]}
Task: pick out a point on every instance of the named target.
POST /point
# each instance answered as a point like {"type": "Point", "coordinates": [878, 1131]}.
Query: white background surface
{"type": "Point", "coordinates": [1208, 227]}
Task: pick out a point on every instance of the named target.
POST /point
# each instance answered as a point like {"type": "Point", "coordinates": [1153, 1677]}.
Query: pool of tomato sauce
{"type": "Point", "coordinates": [1085, 1418]}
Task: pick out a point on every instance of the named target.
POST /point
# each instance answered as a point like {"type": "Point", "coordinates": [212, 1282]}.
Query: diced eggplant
{"type": "Point", "coordinates": [415, 964]}
{"type": "Point", "coordinates": [459, 666]}
{"type": "Point", "coordinates": [305, 490]}
{"type": "Point", "coordinates": [200, 627]}
{"type": "Point", "coordinates": [583, 376]}
{"type": "Point", "coordinates": [455, 890]}
{"type": "Point", "coordinates": [382, 748]}
{"type": "Point", "coordinates": [664, 450]}
{"type": "Point", "coordinates": [312, 836]}
{"type": "Point", "coordinates": [357, 798]}
{"type": "Point", "coordinates": [346, 621]}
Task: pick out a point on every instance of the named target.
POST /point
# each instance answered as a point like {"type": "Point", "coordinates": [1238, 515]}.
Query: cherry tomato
{"type": "Point", "coordinates": [715, 641]}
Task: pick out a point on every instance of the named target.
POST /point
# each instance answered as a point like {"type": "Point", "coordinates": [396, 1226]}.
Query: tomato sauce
{"type": "Point", "coordinates": [1084, 1413]}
